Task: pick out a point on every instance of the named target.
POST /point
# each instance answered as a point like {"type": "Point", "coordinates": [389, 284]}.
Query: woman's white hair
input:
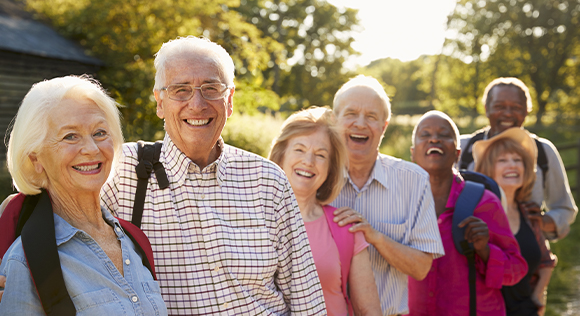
{"type": "Point", "coordinates": [31, 125]}
{"type": "Point", "coordinates": [363, 81]}
{"type": "Point", "coordinates": [194, 46]}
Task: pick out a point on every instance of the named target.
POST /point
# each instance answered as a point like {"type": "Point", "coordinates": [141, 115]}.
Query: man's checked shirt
{"type": "Point", "coordinates": [228, 239]}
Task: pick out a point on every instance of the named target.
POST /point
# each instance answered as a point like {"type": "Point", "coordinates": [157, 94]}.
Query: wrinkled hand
{"type": "Point", "coordinates": [346, 215]}
{"type": "Point", "coordinates": [535, 214]}
{"type": "Point", "coordinates": [476, 232]}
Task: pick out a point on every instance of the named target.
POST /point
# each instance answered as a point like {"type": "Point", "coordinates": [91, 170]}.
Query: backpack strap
{"type": "Point", "coordinates": [542, 160]}
{"type": "Point", "coordinates": [464, 207]}
{"type": "Point", "coordinates": [141, 243]}
{"type": "Point", "coordinates": [9, 223]}
{"type": "Point", "coordinates": [344, 241]}
{"type": "Point", "coordinates": [467, 155]}
{"type": "Point", "coordinates": [39, 244]}
{"type": "Point", "coordinates": [148, 157]}
{"type": "Point", "coordinates": [488, 182]}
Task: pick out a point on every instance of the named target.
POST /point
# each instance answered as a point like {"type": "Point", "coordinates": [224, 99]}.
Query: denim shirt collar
{"type": "Point", "coordinates": [64, 231]}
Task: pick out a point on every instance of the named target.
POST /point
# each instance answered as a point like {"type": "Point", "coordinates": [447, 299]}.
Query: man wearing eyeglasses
{"type": "Point", "coordinates": [227, 234]}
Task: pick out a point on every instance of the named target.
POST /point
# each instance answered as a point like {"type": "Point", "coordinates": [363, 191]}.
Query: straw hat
{"type": "Point", "coordinates": [520, 135]}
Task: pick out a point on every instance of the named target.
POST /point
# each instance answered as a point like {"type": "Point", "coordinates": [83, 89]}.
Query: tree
{"type": "Point", "coordinates": [125, 34]}
{"type": "Point", "coordinates": [315, 36]}
{"type": "Point", "coordinates": [535, 40]}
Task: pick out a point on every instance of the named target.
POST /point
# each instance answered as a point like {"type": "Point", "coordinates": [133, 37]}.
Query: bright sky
{"type": "Point", "coordinates": [402, 29]}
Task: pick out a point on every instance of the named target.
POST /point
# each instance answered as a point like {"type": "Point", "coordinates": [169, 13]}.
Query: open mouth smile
{"type": "Point", "coordinates": [86, 168]}
{"type": "Point", "coordinates": [358, 138]}
{"type": "Point", "coordinates": [434, 150]}
{"type": "Point", "coordinates": [198, 122]}
{"type": "Point", "coordinates": [304, 173]}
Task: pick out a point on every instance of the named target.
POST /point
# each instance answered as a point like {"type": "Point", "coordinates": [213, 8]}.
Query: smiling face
{"type": "Point", "coordinates": [306, 162]}
{"type": "Point", "coordinates": [78, 150]}
{"type": "Point", "coordinates": [435, 147]}
{"type": "Point", "coordinates": [362, 120]}
{"type": "Point", "coordinates": [194, 125]}
{"type": "Point", "coordinates": [509, 171]}
{"type": "Point", "coordinates": [506, 108]}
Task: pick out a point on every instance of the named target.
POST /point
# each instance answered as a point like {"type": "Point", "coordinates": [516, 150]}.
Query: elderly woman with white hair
{"type": "Point", "coordinates": [72, 256]}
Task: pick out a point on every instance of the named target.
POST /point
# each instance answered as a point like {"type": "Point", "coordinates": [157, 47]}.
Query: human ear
{"type": "Point", "coordinates": [36, 163]}
{"type": "Point", "coordinates": [157, 94]}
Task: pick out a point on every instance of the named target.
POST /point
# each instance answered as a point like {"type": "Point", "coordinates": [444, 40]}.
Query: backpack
{"type": "Point", "coordinates": [467, 154]}
{"type": "Point", "coordinates": [475, 184]}
{"type": "Point", "coordinates": [31, 217]}
{"type": "Point", "coordinates": [42, 255]}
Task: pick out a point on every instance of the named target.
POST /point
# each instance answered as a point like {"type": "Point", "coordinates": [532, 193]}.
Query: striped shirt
{"type": "Point", "coordinates": [397, 201]}
{"type": "Point", "coordinates": [228, 239]}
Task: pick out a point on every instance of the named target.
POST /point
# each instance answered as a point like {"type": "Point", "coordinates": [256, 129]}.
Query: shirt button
{"type": "Point", "coordinates": [358, 195]}
{"type": "Point", "coordinates": [216, 269]}
{"type": "Point", "coordinates": [202, 196]}
{"type": "Point", "coordinates": [207, 231]}
{"type": "Point", "coordinates": [118, 229]}
{"type": "Point", "coordinates": [226, 305]}
{"type": "Point", "coordinates": [127, 262]}
{"type": "Point", "coordinates": [134, 299]}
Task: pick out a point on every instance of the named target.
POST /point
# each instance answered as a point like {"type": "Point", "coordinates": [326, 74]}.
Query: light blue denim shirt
{"type": "Point", "coordinates": [92, 280]}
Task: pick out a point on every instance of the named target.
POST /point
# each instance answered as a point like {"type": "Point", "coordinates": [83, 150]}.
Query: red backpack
{"type": "Point", "coordinates": [31, 217]}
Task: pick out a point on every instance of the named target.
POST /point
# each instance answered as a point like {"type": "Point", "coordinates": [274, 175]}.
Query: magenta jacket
{"type": "Point", "coordinates": [445, 290]}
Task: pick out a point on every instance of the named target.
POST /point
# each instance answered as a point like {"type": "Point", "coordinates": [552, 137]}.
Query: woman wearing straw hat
{"type": "Point", "coordinates": [510, 159]}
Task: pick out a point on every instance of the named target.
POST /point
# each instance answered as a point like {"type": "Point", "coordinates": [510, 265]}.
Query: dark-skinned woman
{"type": "Point", "coordinates": [498, 262]}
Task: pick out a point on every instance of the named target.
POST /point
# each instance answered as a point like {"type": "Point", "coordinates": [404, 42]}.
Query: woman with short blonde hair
{"type": "Point", "coordinates": [311, 152]}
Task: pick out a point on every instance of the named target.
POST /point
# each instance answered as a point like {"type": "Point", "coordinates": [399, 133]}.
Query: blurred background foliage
{"type": "Point", "coordinates": [289, 55]}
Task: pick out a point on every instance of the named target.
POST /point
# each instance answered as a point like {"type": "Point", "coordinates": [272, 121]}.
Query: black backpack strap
{"type": "Point", "coordinates": [542, 160]}
{"type": "Point", "coordinates": [30, 202]}
{"type": "Point", "coordinates": [464, 207]}
{"type": "Point", "coordinates": [467, 155]}
{"type": "Point", "coordinates": [39, 244]}
{"type": "Point", "coordinates": [148, 156]}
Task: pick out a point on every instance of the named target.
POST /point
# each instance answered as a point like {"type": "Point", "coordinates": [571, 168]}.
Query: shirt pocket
{"type": "Point", "coordinates": [397, 232]}
{"type": "Point", "coordinates": [101, 302]}
{"type": "Point", "coordinates": [153, 293]}
{"type": "Point", "coordinates": [249, 255]}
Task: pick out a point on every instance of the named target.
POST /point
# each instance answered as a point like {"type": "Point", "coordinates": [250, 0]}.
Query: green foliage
{"type": "Point", "coordinates": [126, 34]}
{"type": "Point", "coordinates": [538, 39]}
{"type": "Point", "coordinates": [253, 133]}
{"type": "Point", "coordinates": [315, 39]}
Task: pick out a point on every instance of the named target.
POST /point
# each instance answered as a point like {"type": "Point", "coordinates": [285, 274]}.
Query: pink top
{"type": "Point", "coordinates": [445, 290]}
{"type": "Point", "coordinates": [327, 261]}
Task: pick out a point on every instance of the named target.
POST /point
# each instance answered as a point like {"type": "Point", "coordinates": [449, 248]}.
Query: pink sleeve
{"type": "Point", "coordinates": [505, 265]}
{"type": "Point", "coordinates": [359, 243]}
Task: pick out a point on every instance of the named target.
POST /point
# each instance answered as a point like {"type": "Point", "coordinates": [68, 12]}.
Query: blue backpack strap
{"type": "Point", "coordinates": [488, 182]}
{"type": "Point", "coordinates": [464, 207]}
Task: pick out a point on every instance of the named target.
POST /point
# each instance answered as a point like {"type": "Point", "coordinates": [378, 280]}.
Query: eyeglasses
{"type": "Point", "coordinates": [184, 92]}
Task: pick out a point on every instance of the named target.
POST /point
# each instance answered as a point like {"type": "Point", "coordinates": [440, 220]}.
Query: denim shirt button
{"type": "Point", "coordinates": [134, 299]}
{"type": "Point", "coordinates": [127, 262]}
